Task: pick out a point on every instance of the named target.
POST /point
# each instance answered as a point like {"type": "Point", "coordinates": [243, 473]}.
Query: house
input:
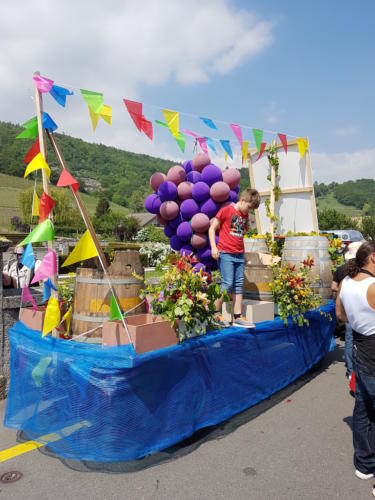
{"type": "Point", "coordinates": [145, 218]}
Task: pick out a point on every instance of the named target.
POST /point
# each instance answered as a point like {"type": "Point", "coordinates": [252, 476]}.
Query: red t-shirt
{"type": "Point", "coordinates": [233, 225]}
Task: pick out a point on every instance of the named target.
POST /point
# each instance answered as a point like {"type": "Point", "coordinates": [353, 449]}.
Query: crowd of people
{"type": "Point", "coordinates": [15, 274]}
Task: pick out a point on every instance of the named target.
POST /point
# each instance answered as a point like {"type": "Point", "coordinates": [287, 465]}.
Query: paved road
{"type": "Point", "coordinates": [296, 445]}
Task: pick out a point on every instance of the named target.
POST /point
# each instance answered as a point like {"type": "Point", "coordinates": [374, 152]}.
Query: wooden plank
{"type": "Point", "coordinates": [312, 195]}
{"type": "Point", "coordinates": [252, 184]}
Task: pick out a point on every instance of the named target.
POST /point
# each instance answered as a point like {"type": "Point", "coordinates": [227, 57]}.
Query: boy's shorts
{"type": "Point", "coordinates": [232, 267]}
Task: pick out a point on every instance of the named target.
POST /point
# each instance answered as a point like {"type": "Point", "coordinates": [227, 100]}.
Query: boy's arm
{"type": "Point", "coordinates": [211, 235]}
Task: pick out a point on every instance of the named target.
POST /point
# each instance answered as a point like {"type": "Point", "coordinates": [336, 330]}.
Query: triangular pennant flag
{"type": "Point", "coordinates": [258, 136]}
{"type": "Point", "coordinates": [31, 127]}
{"type": "Point", "coordinates": [32, 152]}
{"type": "Point", "coordinates": [114, 311]}
{"type": "Point", "coordinates": [42, 83]}
{"type": "Point", "coordinates": [52, 316]}
{"type": "Point", "coordinates": [47, 268]}
{"type": "Point", "coordinates": [226, 147]}
{"type": "Point", "coordinates": [262, 148]}
{"type": "Point", "coordinates": [147, 128]}
{"type": "Point", "coordinates": [237, 132]}
{"type": "Point", "coordinates": [48, 123]}
{"type": "Point", "coordinates": [303, 145]}
{"type": "Point", "coordinates": [94, 118]}
{"type": "Point", "coordinates": [85, 249]}
{"type": "Point", "coordinates": [95, 100]}
{"type": "Point", "coordinates": [203, 145]}
{"type": "Point", "coordinates": [35, 210]}
{"type": "Point", "coordinates": [106, 114]}
{"type": "Point", "coordinates": [27, 297]}
{"type": "Point", "coordinates": [210, 144]}
{"type": "Point", "coordinates": [135, 111]}
{"type": "Point", "coordinates": [30, 132]}
{"type": "Point", "coordinates": [225, 156]}
{"type": "Point", "coordinates": [37, 163]}
{"type": "Point", "coordinates": [284, 142]}
{"type": "Point", "coordinates": [42, 232]}
{"type": "Point", "coordinates": [68, 318]}
{"type": "Point", "coordinates": [46, 204]}
{"type": "Point", "coordinates": [180, 139]}
{"type": "Point", "coordinates": [189, 132]}
{"type": "Point", "coordinates": [59, 94]}
{"type": "Point", "coordinates": [245, 150]}
{"type": "Point", "coordinates": [66, 179]}
{"type": "Point", "coordinates": [208, 122]}
{"type": "Point", "coordinates": [28, 258]}
{"type": "Point", "coordinates": [172, 119]}
{"type": "Point", "coordinates": [48, 286]}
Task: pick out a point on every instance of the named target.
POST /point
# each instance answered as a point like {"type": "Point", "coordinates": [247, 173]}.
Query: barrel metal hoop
{"type": "Point", "coordinates": [90, 319]}
{"type": "Point", "coordinates": [99, 281]}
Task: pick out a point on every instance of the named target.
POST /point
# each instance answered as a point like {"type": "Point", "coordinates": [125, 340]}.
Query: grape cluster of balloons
{"type": "Point", "coordinates": [187, 199]}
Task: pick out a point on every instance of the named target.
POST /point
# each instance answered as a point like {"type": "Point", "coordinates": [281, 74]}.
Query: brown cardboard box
{"type": "Point", "coordinates": [33, 319]}
{"type": "Point", "coordinates": [255, 311]}
{"type": "Point", "coordinates": [148, 333]}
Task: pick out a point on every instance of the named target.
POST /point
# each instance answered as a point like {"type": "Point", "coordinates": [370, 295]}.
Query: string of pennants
{"type": "Point", "coordinates": [97, 109]}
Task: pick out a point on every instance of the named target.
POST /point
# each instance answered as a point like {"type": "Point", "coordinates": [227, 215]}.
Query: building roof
{"type": "Point", "coordinates": [144, 218]}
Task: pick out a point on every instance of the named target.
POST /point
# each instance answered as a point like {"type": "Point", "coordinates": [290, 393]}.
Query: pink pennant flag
{"type": "Point", "coordinates": [27, 297]}
{"type": "Point", "coordinates": [284, 142]}
{"type": "Point", "coordinates": [47, 268]}
{"type": "Point", "coordinates": [262, 148]}
{"type": "Point", "coordinates": [237, 132]}
{"type": "Point", "coordinates": [42, 83]}
{"type": "Point", "coordinates": [189, 132]}
{"type": "Point", "coordinates": [203, 144]}
{"type": "Point", "coordinates": [66, 179]}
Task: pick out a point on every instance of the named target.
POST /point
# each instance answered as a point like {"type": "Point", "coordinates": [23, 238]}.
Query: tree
{"type": "Point", "coordinates": [102, 207]}
{"type": "Point", "coordinates": [368, 227]}
{"type": "Point", "coordinates": [367, 209]}
{"type": "Point", "coordinates": [136, 202]}
{"type": "Point", "coordinates": [330, 218]}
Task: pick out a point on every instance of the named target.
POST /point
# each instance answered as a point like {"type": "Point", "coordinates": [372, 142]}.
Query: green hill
{"type": "Point", "coordinates": [354, 198]}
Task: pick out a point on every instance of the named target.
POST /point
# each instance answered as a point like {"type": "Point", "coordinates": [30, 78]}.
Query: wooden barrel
{"type": "Point", "coordinates": [92, 293]}
{"type": "Point", "coordinates": [256, 278]}
{"type": "Point", "coordinates": [298, 248]}
{"type": "Point", "coordinates": [254, 245]}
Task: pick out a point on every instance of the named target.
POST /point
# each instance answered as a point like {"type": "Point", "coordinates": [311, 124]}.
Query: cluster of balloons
{"type": "Point", "coordinates": [187, 199]}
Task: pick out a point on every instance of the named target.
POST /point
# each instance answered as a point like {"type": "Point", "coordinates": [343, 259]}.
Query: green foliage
{"type": "Point", "coordinates": [114, 224]}
{"type": "Point", "coordinates": [356, 194]}
{"type": "Point", "coordinates": [368, 227]}
{"type": "Point", "coordinates": [152, 233]}
{"type": "Point", "coordinates": [102, 207]}
{"type": "Point", "coordinates": [330, 218]}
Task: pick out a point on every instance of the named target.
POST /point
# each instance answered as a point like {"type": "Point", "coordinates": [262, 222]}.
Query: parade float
{"type": "Point", "coordinates": [149, 379]}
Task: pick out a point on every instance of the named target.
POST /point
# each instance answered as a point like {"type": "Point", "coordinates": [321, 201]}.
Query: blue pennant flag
{"type": "Point", "coordinates": [59, 94]}
{"type": "Point", "coordinates": [47, 287]}
{"type": "Point", "coordinates": [28, 258]}
{"type": "Point", "coordinates": [48, 123]}
{"type": "Point", "coordinates": [208, 122]}
{"type": "Point", "coordinates": [226, 147]}
{"type": "Point", "coordinates": [210, 144]}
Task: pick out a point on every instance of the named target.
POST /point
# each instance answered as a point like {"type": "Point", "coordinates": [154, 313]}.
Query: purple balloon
{"type": "Point", "coordinates": [156, 179]}
{"type": "Point", "coordinates": [210, 208]}
{"type": "Point", "coordinates": [233, 197]}
{"type": "Point", "coordinates": [200, 161]}
{"type": "Point", "coordinates": [184, 232]}
{"type": "Point", "coordinates": [167, 191]}
{"type": "Point", "coordinates": [199, 240]}
{"type": "Point", "coordinates": [174, 223]}
{"type": "Point", "coordinates": [176, 243]}
{"type": "Point", "coordinates": [237, 189]}
{"type": "Point", "coordinates": [211, 174]}
{"type": "Point", "coordinates": [186, 250]}
{"type": "Point", "coordinates": [201, 191]}
{"type": "Point", "coordinates": [169, 210]}
{"type": "Point", "coordinates": [204, 253]}
{"type": "Point", "coordinates": [232, 177]}
{"type": "Point", "coordinates": [152, 203]}
{"type": "Point", "coordinates": [188, 166]}
{"type": "Point", "coordinates": [216, 241]}
{"type": "Point", "coordinates": [198, 267]}
{"type": "Point", "coordinates": [193, 176]}
{"type": "Point", "coordinates": [169, 231]}
{"type": "Point", "coordinates": [189, 208]}
{"type": "Point", "coordinates": [200, 223]}
{"type": "Point", "coordinates": [184, 190]}
{"type": "Point", "coordinates": [219, 191]}
{"type": "Point", "coordinates": [176, 174]}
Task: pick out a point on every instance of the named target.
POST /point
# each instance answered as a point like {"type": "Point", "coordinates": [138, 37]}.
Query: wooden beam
{"type": "Point", "coordinates": [252, 184]}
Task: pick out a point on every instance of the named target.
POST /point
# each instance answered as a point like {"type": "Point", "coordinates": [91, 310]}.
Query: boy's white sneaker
{"type": "Point", "coordinates": [362, 475]}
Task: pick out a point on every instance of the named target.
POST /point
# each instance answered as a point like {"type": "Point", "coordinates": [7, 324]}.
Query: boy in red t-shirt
{"type": "Point", "coordinates": [232, 222]}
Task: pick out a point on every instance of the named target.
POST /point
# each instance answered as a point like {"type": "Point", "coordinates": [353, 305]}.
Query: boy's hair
{"type": "Point", "coordinates": [250, 196]}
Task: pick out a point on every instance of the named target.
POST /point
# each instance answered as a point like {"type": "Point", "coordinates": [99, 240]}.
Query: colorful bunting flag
{"type": "Point", "coordinates": [227, 148]}
{"type": "Point", "coordinates": [85, 249]}
{"type": "Point", "coordinates": [135, 111]}
{"type": "Point", "coordinates": [46, 204]}
{"type": "Point", "coordinates": [28, 258]}
{"type": "Point", "coordinates": [31, 127]}
{"type": "Point", "coordinates": [32, 152]}
{"type": "Point", "coordinates": [66, 179]}
{"type": "Point", "coordinates": [258, 136]}
{"type": "Point", "coordinates": [147, 127]}
{"type": "Point", "coordinates": [68, 318]}
{"type": "Point", "coordinates": [237, 132]}
{"type": "Point", "coordinates": [48, 123]}
{"type": "Point", "coordinates": [114, 311]}
{"type": "Point", "coordinates": [284, 142]}
{"type": "Point", "coordinates": [95, 100]}
{"type": "Point", "coordinates": [203, 145]}
{"type": "Point", "coordinates": [262, 148]}
{"type": "Point", "coordinates": [208, 122]}
{"type": "Point", "coordinates": [210, 144]}
{"type": "Point", "coordinates": [180, 139]}
{"type": "Point", "coordinates": [47, 268]}
{"type": "Point", "coordinates": [245, 150]}
{"type": "Point", "coordinates": [48, 286]}
{"type": "Point", "coordinates": [172, 120]}
{"type": "Point", "coordinates": [105, 113]}
{"type": "Point", "coordinates": [52, 316]}
{"type": "Point", "coordinates": [42, 232]}
{"type": "Point", "coordinates": [59, 94]}
{"type": "Point", "coordinates": [189, 132]}
{"type": "Point", "coordinates": [303, 145]}
{"type": "Point", "coordinates": [42, 83]}
{"type": "Point", "coordinates": [35, 210]}
{"type": "Point", "coordinates": [37, 163]}
{"type": "Point", "coordinates": [26, 296]}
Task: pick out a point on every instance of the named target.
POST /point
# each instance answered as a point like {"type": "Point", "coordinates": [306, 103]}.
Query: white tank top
{"type": "Point", "coordinates": [353, 296]}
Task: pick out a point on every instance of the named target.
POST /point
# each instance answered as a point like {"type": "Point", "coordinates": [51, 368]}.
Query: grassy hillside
{"type": "Point", "coordinates": [329, 201]}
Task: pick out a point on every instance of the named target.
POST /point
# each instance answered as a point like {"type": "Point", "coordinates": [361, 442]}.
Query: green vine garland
{"type": "Point", "coordinates": [273, 160]}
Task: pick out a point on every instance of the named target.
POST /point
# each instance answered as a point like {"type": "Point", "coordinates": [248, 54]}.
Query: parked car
{"type": "Point", "coordinates": [346, 235]}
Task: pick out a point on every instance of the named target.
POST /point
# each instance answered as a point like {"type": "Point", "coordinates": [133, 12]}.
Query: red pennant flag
{"type": "Point", "coordinates": [66, 179]}
{"type": "Point", "coordinates": [262, 148]}
{"type": "Point", "coordinates": [284, 142]}
{"type": "Point", "coordinates": [135, 111]}
{"type": "Point", "coordinates": [32, 152]}
{"type": "Point", "coordinates": [147, 127]}
{"type": "Point", "coordinates": [46, 204]}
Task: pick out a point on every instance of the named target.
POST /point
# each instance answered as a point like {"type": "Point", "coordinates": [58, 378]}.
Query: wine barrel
{"type": "Point", "coordinates": [298, 248]}
{"type": "Point", "coordinates": [92, 293]}
{"type": "Point", "coordinates": [254, 245]}
{"type": "Point", "coordinates": [256, 278]}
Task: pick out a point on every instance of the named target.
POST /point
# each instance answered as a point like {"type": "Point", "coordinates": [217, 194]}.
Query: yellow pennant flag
{"type": "Point", "coordinates": [105, 113]}
{"type": "Point", "coordinates": [68, 317]}
{"type": "Point", "coordinates": [226, 156]}
{"type": "Point", "coordinates": [303, 145]}
{"type": "Point", "coordinates": [171, 117]}
{"type": "Point", "coordinates": [245, 150]}
{"type": "Point", "coordinates": [35, 205]}
{"type": "Point", "coordinates": [37, 163]}
{"type": "Point", "coordinates": [85, 249]}
{"type": "Point", "coordinates": [52, 317]}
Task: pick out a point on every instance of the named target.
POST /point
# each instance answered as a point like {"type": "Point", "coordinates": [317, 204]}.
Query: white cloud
{"type": "Point", "coordinates": [341, 167]}
{"type": "Point", "coordinates": [347, 131]}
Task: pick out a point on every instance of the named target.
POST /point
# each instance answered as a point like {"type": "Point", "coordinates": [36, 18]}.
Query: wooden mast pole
{"type": "Point", "coordinates": [272, 197]}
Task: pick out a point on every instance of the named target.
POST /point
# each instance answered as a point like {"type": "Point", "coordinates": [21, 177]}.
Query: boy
{"type": "Point", "coordinates": [232, 222]}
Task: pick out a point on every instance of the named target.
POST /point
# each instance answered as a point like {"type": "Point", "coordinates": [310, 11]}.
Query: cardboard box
{"type": "Point", "coordinates": [148, 333]}
{"type": "Point", "coordinates": [255, 311]}
{"type": "Point", "coordinates": [33, 319]}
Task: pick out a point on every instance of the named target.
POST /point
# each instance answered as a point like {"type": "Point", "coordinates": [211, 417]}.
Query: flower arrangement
{"type": "Point", "coordinates": [154, 253]}
{"type": "Point", "coordinates": [292, 291]}
{"type": "Point", "coordinates": [186, 296]}
{"type": "Point", "coordinates": [335, 251]}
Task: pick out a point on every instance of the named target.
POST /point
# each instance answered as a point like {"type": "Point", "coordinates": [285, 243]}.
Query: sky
{"type": "Point", "coordinates": [300, 68]}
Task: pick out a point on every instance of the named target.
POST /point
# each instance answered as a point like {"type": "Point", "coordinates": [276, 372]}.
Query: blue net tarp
{"type": "Point", "coordinates": [103, 404]}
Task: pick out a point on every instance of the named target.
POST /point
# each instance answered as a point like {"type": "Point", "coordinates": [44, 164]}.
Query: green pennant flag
{"type": "Point", "coordinates": [258, 136]}
{"type": "Point", "coordinates": [33, 122]}
{"type": "Point", "coordinates": [95, 100]}
{"type": "Point", "coordinates": [180, 139]}
{"type": "Point", "coordinates": [31, 129]}
{"type": "Point", "coordinates": [114, 311]}
{"type": "Point", "coordinates": [42, 232]}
